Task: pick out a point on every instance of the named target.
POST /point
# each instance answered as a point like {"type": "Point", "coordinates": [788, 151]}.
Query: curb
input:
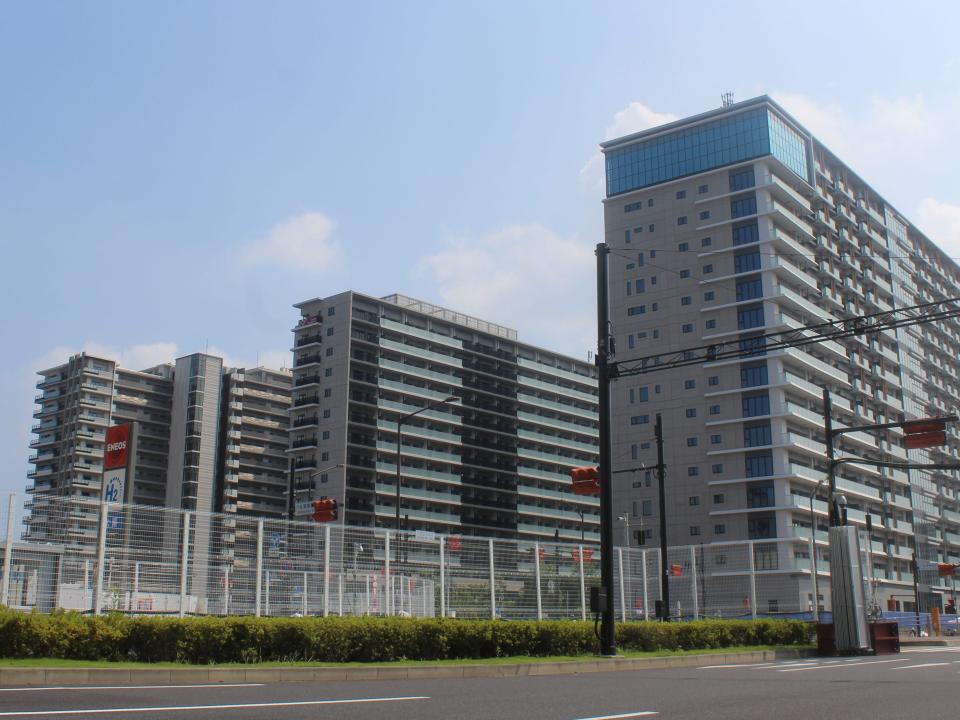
{"type": "Point", "coordinates": [29, 677]}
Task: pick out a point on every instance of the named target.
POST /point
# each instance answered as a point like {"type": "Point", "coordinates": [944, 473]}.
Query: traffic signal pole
{"type": "Point", "coordinates": [662, 498]}
{"type": "Point", "coordinates": [608, 640]}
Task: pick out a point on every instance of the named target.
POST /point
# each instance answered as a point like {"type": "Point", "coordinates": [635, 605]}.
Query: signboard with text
{"type": "Point", "coordinates": [118, 442]}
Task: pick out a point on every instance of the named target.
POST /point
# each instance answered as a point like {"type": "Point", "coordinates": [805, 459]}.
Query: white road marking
{"type": "Point", "coordinates": [129, 687]}
{"type": "Point", "coordinates": [922, 665]}
{"type": "Point", "coordinates": [733, 665]}
{"type": "Point", "coordinates": [239, 706]}
{"type": "Point", "coordinates": [835, 666]}
{"type": "Point", "coordinates": [644, 713]}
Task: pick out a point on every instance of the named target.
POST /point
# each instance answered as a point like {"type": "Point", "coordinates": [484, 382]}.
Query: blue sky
{"type": "Point", "coordinates": [173, 176]}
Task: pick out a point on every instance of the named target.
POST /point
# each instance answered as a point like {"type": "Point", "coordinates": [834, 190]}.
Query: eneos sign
{"type": "Point", "coordinates": [118, 440]}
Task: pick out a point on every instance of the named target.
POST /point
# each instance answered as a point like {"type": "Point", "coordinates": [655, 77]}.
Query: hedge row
{"type": "Point", "coordinates": [344, 639]}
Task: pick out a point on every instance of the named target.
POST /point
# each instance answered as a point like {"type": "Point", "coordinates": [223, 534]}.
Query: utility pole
{"type": "Point", "coordinates": [661, 471]}
{"type": "Point", "coordinates": [832, 510]}
{"type": "Point", "coordinates": [608, 639]}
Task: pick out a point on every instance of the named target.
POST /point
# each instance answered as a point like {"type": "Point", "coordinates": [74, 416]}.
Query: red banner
{"type": "Point", "coordinates": [118, 439]}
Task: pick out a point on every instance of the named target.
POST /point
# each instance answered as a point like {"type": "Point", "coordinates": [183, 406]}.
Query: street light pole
{"type": "Point", "coordinates": [400, 422]}
{"type": "Point", "coordinates": [580, 512]}
{"type": "Point", "coordinates": [813, 550]}
{"type": "Point", "coordinates": [626, 529]}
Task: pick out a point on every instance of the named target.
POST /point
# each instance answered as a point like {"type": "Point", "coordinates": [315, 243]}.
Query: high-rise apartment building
{"type": "Point", "coordinates": [490, 426]}
{"type": "Point", "coordinates": [204, 438]}
{"type": "Point", "coordinates": [735, 223]}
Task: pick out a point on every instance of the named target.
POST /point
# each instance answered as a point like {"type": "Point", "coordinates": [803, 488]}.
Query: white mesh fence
{"type": "Point", "coordinates": [152, 560]}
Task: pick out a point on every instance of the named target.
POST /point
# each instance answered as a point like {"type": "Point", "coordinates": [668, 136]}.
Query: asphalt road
{"type": "Point", "coordinates": [919, 683]}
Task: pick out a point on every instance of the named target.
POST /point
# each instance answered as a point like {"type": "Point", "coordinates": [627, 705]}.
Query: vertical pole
{"type": "Point", "coordinates": [326, 570]}
{"type": "Point", "coordinates": [693, 581]}
{"type": "Point", "coordinates": [266, 595]}
{"type": "Point", "coordinates": [662, 501]}
{"type": "Point", "coordinates": [8, 550]}
{"type": "Point", "coordinates": [493, 592]}
{"type": "Point", "coordinates": [136, 586]}
{"type": "Point", "coordinates": [86, 583]}
{"type": "Point", "coordinates": [536, 571]}
{"type": "Point", "coordinates": [259, 581]}
{"type": "Point", "coordinates": [340, 594]}
{"type": "Point", "coordinates": [226, 590]}
{"type": "Point", "coordinates": [608, 637]}
{"type": "Point", "coordinates": [366, 582]}
{"type": "Point", "coordinates": [646, 609]}
{"type": "Point", "coordinates": [753, 582]}
{"type": "Point", "coordinates": [443, 584]}
{"type": "Point", "coordinates": [583, 588]}
{"type": "Point", "coordinates": [184, 560]}
{"type": "Point", "coordinates": [304, 596]}
{"type": "Point", "coordinates": [916, 592]}
{"type": "Point", "coordinates": [831, 464]}
{"type": "Point", "coordinates": [398, 480]}
{"type": "Point", "coordinates": [814, 580]}
{"type": "Point", "coordinates": [101, 552]}
{"type": "Point", "coordinates": [387, 584]}
{"type": "Point", "coordinates": [623, 594]}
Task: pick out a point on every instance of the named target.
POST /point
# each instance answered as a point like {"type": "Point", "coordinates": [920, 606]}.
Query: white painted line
{"type": "Point", "coordinates": [922, 665]}
{"type": "Point", "coordinates": [240, 706]}
{"type": "Point", "coordinates": [836, 667]}
{"type": "Point", "coordinates": [644, 713]}
{"type": "Point", "coordinates": [129, 687]}
{"type": "Point", "coordinates": [741, 665]}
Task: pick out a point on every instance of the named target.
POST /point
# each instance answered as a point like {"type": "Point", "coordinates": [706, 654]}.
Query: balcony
{"type": "Point", "coordinates": [307, 380]}
{"type": "Point", "coordinates": [306, 400]}
{"type": "Point", "coordinates": [305, 421]}
{"type": "Point", "coordinates": [306, 360]}
{"type": "Point", "coordinates": [307, 340]}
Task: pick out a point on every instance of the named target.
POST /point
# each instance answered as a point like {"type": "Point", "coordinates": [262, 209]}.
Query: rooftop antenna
{"type": "Point", "coordinates": [727, 99]}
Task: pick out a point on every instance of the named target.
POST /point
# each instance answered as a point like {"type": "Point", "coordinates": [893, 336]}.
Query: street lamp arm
{"type": "Point", "coordinates": [326, 469]}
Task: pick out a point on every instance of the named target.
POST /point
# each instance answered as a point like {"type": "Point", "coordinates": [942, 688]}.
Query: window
{"type": "Point", "coordinates": [746, 261]}
{"type": "Point", "coordinates": [327, 372]}
{"type": "Point", "coordinates": [714, 409]}
{"type": "Point", "coordinates": [719, 499]}
{"type": "Point", "coordinates": [755, 435]}
{"type": "Point", "coordinates": [756, 405]}
{"type": "Point", "coordinates": [649, 202]}
{"type": "Point", "coordinates": [753, 375]}
{"type": "Point", "coordinates": [646, 507]}
{"type": "Point", "coordinates": [692, 442]}
{"type": "Point", "coordinates": [634, 452]}
{"type": "Point", "coordinates": [741, 207]}
{"type": "Point", "coordinates": [707, 269]}
{"type": "Point", "coordinates": [682, 220]}
{"type": "Point", "coordinates": [683, 247]}
{"type": "Point", "coordinates": [324, 456]}
{"type": "Point", "coordinates": [325, 435]}
{"type": "Point", "coordinates": [631, 342]}
{"type": "Point", "coordinates": [693, 471]}
{"type": "Point", "coordinates": [717, 469]}
{"type": "Point", "coordinates": [694, 529]}
{"type": "Point", "coordinates": [691, 412]}
{"type": "Point", "coordinates": [642, 334]}
{"type": "Point", "coordinates": [708, 296]}
{"type": "Point", "coordinates": [684, 274]}
{"type": "Point", "coordinates": [681, 194]}
{"type": "Point", "coordinates": [644, 393]}
{"type": "Point", "coordinates": [326, 413]}
{"type": "Point", "coordinates": [745, 233]}
{"type": "Point", "coordinates": [331, 311]}
{"type": "Point", "coordinates": [716, 439]}
{"type": "Point", "coordinates": [711, 324]}
{"type": "Point", "coordinates": [637, 310]}
{"type": "Point", "coordinates": [694, 500]}
{"type": "Point", "coordinates": [720, 529]}
{"type": "Point", "coordinates": [750, 317]}
{"type": "Point", "coordinates": [641, 285]}
{"type": "Point", "coordinates": [759, 464]}
{"type": "Point", "coordinates": [686, 300]}
{"type": "Point", "coordinates": [329, 331]}
{"type": "Point", "coordinates": [741, 179]}
{"type": "Point", "coordinates": [749, 288]}
{"type": "Point", "coordinates": [632, 206]}
{"type": "Point", "coordinates": [650, 228]}
{"type": "Point", "coordinates": [753, 345]}
{"type": "Point", "coordinates": [626, 235]}
{"type": "Point", "coordinates": [329, 352]}
{"type": "Point", "coordinates": [704, 214]}
{"type": "Point", "coordinates": [654, 307]}
{"type": "Point", "coordinates": [637, 230]}
{"type": "Point", "coordinates": [759, 496]}
{"type": "Point", "coordinates": [653, 279]}
{"type": "Point", "coordinates": [687, 327]}
{"type": "Point", "coordinates": [653, 253]}
{"type": "Point", "coordinates": [631, 266]}
{"type": "Point", "coordinates": [327, 392]}
{"type": "Point", "coordinates": [640, 420]}
{"type": "Point", "coordinates": [703, 189]}
{"type": "Point", "coordinates": [706, 242]}
{"type": "Point", "coordinates": [765, 556]}
{"type": "Point", "coordinates": [656, 334]}
{"type": "Point", "coordinates": [640, 259]}
{"type": "Point", "coordinates": [759, 528]}
{"type": "Point", "coordinates": [689, 384]}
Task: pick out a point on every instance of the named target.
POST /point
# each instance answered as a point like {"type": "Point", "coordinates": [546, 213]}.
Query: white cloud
{"type": "Point", "coordinates": [634, 118]}
{"type": "Point", "coordinates": [525, 277]}
{"type": "Point", "coordinates": [135, 357]}
{"type": "Point", "coordinates": [941, 223]}
{"type": "Point", "coordinates": [303, 242]}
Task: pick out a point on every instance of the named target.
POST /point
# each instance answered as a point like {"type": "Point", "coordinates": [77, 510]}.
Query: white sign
{"type": "Point", "coordinates": [113, 485]}
{"type": "Point", "coordinates": [424, 534]}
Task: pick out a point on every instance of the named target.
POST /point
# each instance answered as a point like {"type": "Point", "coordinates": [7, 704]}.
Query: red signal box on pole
{"type": "Point", "coordinates": [928, 432]}
{"type": "Point", "coordinates": [586, 480]}
{"type": "Point", "coordinates": [325, 510]}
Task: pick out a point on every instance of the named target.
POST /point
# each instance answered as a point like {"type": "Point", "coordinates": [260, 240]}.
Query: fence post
{"type": "Point", "coordinates": [493, 592]}
{"type": "Point", "coordinates": [259, 582]}
{"type": "Point", "coordinates": [815, 609]}
{"type": "Point", "coordinates": [8, 550]}
{"type": "Point", "coordinates": [86, 584]}
{"type": "Point", "coordinates": [583, 587]}
{"type": "Point", "coordinates": [266, 594]}
{"type": "Point", "coordinates": [646, 610]}
{"type": "Point", "coordinates": [184, 559]}
{"type": "Point", "coordinates": [366, 582]}
{"type": "Point", "coordinates": [536, 570]}
{"type": "Point", "coordinates": [340, 593]}
{"type": "Point", "coordinates": [303, 595]}
{"type": "Point", "coordinates": [693, 582]}
{"type": "Point", "coordinates": [136, 586]}
{"type": "Point", "coordinates": [101, 552]}
{"type": "Point", "coordinates": [226, 589]}
{"type": "Point", "coordinates": [623, 596]}
{"type": "Point", "coordinates": [386, 574]}
{"type": "Point", "coordinates": [326, 570]}
{"type": "Point", "coordinates": [753, 582]}
{"type": "Point", "coordinates": [443, 583]}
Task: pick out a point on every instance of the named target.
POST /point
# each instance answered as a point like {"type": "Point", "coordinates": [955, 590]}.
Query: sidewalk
{"type": "Point", "coordinates": [26, 677]}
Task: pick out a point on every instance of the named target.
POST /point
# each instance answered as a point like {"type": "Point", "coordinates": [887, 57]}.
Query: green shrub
{"type": "Point", "coordinates": [344, 639]}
